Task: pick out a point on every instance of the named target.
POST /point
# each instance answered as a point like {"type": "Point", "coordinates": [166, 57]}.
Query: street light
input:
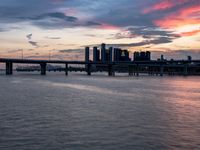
{"type": "Point", "coordinates": [22, 53]}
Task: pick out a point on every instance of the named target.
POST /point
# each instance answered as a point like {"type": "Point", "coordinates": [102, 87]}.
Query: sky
{"type": "Point", "coordinates": [60, 29]}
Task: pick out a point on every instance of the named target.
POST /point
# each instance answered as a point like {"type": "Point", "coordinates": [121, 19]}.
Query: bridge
{"type": "Point", "coordinates": [153, 67]}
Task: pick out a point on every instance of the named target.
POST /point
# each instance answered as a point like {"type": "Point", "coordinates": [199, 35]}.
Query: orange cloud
{"type": "Point", "coordinates": [185, 16]}
{"type": "Point", "coordinates": [191, 33]}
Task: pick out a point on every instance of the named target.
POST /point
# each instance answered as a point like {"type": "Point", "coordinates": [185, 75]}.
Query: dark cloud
{"type": "Point", "coordinates": [53, 38]}
{"type": "Point", "coordinates": [56, 15]}
{"type": "Point", "coordinates": [157, 41]}
{"type": "Point", "coordinates": [29, 36]}
{"type": "Point", "coordinates": [91, 23]}
{"type": "Point", "coordinates": [72, 51]}
{"type": "Point", "coordinates": [3, 30]}
{"type": "Point", "coordinates": [14, 51]}
{"type": "Point", "coordinates": [33, 43]}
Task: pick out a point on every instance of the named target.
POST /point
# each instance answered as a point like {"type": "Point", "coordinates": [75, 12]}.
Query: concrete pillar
{"type": "Point", "coordinates": [149, 70]}
{"type": "Point", "coordinates": [9, 68]}
{"type": "Point", "coordinates": [66, 69]}
{"type": "Point", "coordinates": [130, 70]}
{"type": "Point", "coordinates": [137, 70]}
{"type": "Point", "coordinates": [113, 70]}
{"type": "Point", "coordinates": [185, 70]}
{"type": "Point", "coordinates": [161, 70]}
{"type": "Point", "coordinates": [110, 70]}
{"type": "Point", "coordinates": [88, 69]}
{"type": "Point", "coordinates": [43, 68]}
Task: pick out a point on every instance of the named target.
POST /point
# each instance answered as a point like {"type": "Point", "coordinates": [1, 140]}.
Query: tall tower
{"type": "Point", "coordinates": [110, 54]}
{"type": "Point", "coordinates": [148, 55]}
{"type": "Point", "coordinates": [117, 54]}
{"type": "Point", "coordinates": [87, 54]}
{"type": "Point", "coordinates": [103, 52]}
{"type": "Point", "coordinates": [96, 55]}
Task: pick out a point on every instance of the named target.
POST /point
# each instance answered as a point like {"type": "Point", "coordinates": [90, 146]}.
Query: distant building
{"type": "Point", "coordinates": [189, 58]}
{"type": "Point", "coordinates": [87, 54]}
{"type": "Point", "coordinates": [142, 56]}
{"type": "Point", "coordinates": [103, 52]}
{"type": "Point", "coordinates": [121, 55]}
{"type": "Point", "coordinates": [96, 54]}
{"type": "Point", "coordinates": [117, 54]}
{"type": "Point", "coordinates": [162, 57]}
{"type": "Point", "coordinates": [110, 54]}
{"type": "Point", "coordinates": [107, 55]}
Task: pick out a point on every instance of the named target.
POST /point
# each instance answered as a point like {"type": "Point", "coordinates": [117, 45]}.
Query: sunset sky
{"type": "Point", "coordinates": [62, 28]}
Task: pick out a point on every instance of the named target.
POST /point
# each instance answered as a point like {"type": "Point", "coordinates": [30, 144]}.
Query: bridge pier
{"type": "Point", "coordinates": [43, 68]}
{"type": "Point", "coordinates": [9, 68]}
{"type": "Point", "coordinates": [130, 70]}
{"type": "Point", "coordinates": [66, 69]}
{"type": "Point", "coordinates": [88, 69]}
{"type": "Point", "coordinates": [185, 70]}
{"type": "Point", "coordinates": [111, 71]}
{"type": "Point", "coordinates": [137, 70]}
{"type": "Point", "coordinates": [161, 70]}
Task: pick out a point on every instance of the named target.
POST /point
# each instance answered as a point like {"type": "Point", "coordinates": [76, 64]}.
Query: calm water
{"type": "Point", "coordinates": [99, 112]}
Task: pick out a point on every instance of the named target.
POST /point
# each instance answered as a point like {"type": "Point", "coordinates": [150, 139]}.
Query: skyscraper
{"type": "Point", "coordinates": [96, 54]}
{"type": "Point", "coordinates": [110, 54]}
{"type": "Point", "coordinates": [103, 52]}
{"type": "Point", "coordinates": [87, 54]}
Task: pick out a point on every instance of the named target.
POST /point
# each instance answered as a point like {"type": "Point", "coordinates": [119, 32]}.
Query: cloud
{"type": "Point", "coordinates": [3, 30]}
{"type": "Point", "coordinates": [57, 15]}
{"type": "Point", "coordinates": [160, 40]}
{"type": "Point", "coordinates": [152, 20]}
{"type": "Point", "coordinates": [53, 38]}
{"type": "Point", "coordinates": [164, 5]}
{"type": "Point", "coordinates": [191, 33]}
{"type": "Point", "coordinates": [91, 23]}
{"type": "Point", "coordinates": [145, 32]}
{"type": "Point", "coordinates": [188, 15]}
{"type": "Point", "coordinates": [14, 51]}
{"type": "Point", "coordinates": [29, 36]}
{"type": "Point", "coordinates": [72, 51]}
{"type": "Point", "coordinates": [33, 43]}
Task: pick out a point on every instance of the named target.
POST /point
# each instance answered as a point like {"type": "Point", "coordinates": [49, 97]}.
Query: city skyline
{"type": "Point", "coordinates": [62, 28]}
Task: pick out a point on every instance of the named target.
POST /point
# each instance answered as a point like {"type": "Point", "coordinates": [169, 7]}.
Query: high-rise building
{"type": "Point", "coordinates": [126, 55]}
{"type": "Point", "coordinates": [189, 58]}
{"type": "Point", "coordinates": [162, 57]}
{"type": "Point", "coordinates": [96, 54]}
{"type": "Point", "coordinates": [110, 54]}
{"type": "Point", "coordinates": [136, 56]}
{"type": "Point", "coordinates": [103, 52]}
{"type": "Point", "coordinates": [117, 54]}
{"type": "Point", "coordinates": [121, 55]}
{"type": "Point", "coordinates": [142, 56]}
{"type": "Point", "coordinates": [148, 55]}
{"type": "Point", "coordinates": [87, 54]}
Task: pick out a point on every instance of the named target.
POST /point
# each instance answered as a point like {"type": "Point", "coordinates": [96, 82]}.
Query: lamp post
{"type": "Point", "coordinates": [49, 55]}
{"type": "Point", "coordinates": [22, 54]}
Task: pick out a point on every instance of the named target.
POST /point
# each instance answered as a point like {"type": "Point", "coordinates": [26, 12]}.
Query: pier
{"type": "Point", "coordinates": [132, 68]}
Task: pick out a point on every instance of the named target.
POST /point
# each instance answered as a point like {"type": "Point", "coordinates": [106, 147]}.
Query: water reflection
{"type": "Point", "coordinates": [80, 112]}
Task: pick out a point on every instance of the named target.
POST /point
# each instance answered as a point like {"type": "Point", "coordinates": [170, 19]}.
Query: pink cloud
{"type": "Point", "coordinates": [108, 27]}
{"type": "Point", "coordinates": [164, 5]}
{"type": "Point", "coordinates": [184, 16]}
